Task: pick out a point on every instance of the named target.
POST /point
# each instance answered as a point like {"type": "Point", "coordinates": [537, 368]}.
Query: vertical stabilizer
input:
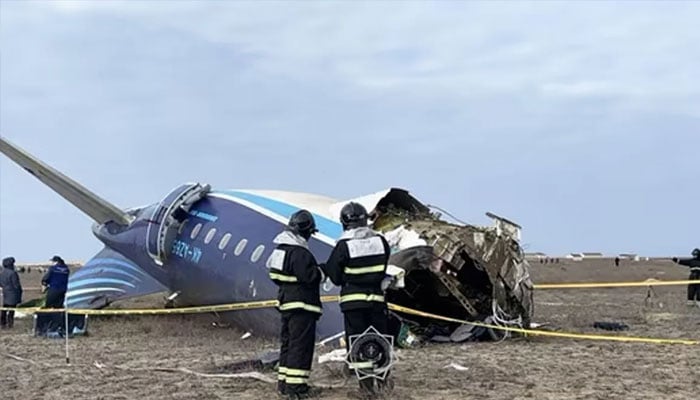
{"type": "Point", "coordinates": [91, 204]}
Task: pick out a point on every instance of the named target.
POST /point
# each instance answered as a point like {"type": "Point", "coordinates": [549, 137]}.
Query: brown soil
{"type": "Point", "coordinates": [532, 368]}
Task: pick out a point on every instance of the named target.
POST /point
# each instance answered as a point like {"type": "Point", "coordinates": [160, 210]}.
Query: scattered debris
{"type": "Point", "coordinates": [610, 326]}
{"type": "Point", "coordinates": [18, 358]}
{"type": "Point", "coordinates": [252, 375]}
{"type": "Point", "coordinates": [406, 338]}
{"type": "Point", "coordinates": [457, 367]}
{"type": "Point", "coordinates": [265, 362]}
{"type": "Point", "coordinates": [337, 355]}
{"type": "Point", "coordinates": [246, 336]}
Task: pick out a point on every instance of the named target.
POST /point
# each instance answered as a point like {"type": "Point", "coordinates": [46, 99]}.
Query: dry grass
{"type": "Point", "coordinates": [533, 368]}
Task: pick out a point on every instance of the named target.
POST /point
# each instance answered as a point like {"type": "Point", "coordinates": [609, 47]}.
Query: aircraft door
{"type": "Point", "coordinates": [167, 218]}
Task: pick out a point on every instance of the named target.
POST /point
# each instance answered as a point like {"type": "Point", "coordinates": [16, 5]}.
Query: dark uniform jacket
{"type": "Point", "coordinates": [358, 264]}
{"type": "Point", "coordinates": [11, 287]}
{"type": "Point", "coordinates": [692, 263]}
{"type": "Point", "coordinates": [295, 270]}
{"type": "Point", "coordinates": [56, 278]}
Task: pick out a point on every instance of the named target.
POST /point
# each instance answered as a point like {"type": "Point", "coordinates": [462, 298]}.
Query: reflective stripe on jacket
{"type": "Point", "coordinates": [358, 264]}
{"type": "Point", "coordinates": [294, 269]}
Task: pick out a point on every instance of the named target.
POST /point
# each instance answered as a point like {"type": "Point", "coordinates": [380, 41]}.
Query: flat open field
{"type": "Point", "coordinates": [130, 348]}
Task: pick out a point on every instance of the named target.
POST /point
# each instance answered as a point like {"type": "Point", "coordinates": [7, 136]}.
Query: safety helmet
{"type": "Point", "coordinates": [696, 253]}
{"type": "Point", "coordinates": [353, 215]}
{"type": "Point", "coordinates": [302, 223]}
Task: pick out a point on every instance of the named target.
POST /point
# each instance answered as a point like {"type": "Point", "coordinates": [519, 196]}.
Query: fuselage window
{"type": "Point", "coordinates": [182, 227]}
{"type": "Point", "coordinates": [210, 235]}
{"type": "Point", "coordinates": [195, 231]}
{"type": "Point", "coordinates": [224, 241]}
{"type": "Point", "coordinates": [240, 247]}
{"type": "Point", "coordinates": [257, 253]}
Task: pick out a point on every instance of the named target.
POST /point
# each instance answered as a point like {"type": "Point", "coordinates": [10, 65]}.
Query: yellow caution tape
{"type": "Point", "coordinates": [545, 333]}
{"type": "Point", "coordinates": [152, 311]}
{"type": "Point", "coordinates": [326, 299]}
{"type": "Point", "coordinates": [161, 311]}
{"type": "Point", "coordinates": [581, 285]}
{"type": "Point", "coordinates": [575, 285]}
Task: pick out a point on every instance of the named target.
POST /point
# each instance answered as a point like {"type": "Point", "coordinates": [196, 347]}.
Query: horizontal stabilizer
{"type": "Point", "coordinates": [94, 206]}
{"type": "Point", "coordinates": [106, 278]}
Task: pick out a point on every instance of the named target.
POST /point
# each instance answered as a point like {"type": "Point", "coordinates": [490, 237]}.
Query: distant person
{"type": "Point", "coordinates": [617, 261]}
{"type": "Point", "coordinates": [694, 265]}
{"type": "Point", "coordinates": [55, 281]}
{"type": "Point", "coordinates": [11, 292]}
{"type": "Point", "coordinates": [294, 269]}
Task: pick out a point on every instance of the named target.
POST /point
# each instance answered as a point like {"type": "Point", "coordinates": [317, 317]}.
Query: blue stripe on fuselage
{"type": "Point", "coordinates": [326, 226]}
{"type": "Point", "coordinates": [100, 270]}
{"type": "Point", "coordinates": [98, 280]}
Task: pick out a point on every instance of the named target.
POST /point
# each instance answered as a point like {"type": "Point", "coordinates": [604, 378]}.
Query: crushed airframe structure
{"type": "Point", "coordinates": [462, 271]}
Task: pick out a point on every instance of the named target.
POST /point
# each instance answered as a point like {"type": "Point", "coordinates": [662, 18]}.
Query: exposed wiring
{"type": "Point", "coordinates": [500, 318]}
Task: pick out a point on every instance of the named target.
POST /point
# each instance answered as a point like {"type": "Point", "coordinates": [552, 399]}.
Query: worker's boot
{"type": "Point", "coordinates": [367, 388]}
{"type": "Point", "coordinates": [281, 388]}
{"type": "Point", "coordinates": [386, 386]}
{"type": "Point", "coordinates": [307, 392]}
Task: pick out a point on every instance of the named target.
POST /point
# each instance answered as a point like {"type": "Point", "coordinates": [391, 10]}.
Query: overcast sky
{"type": "Point", "coordinates": [580, 121]}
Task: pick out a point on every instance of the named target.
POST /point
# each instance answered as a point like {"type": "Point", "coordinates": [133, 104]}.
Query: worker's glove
{"type": "Point", "coordinates": [386, 282]}
{"type": "Point", "coordinates": [43, 288]}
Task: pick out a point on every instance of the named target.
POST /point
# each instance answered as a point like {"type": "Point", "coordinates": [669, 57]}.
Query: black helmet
{"type": "Point", "coordinates": [696, 253]}
{"type": "Point", "coordinates": [353, 215]}
{"type": "Point", "coordinates": [302, 223]}
{"type": "Point", "coordinates": [57, 259]}
{"type": "Point", "coordinates": [8, 262]}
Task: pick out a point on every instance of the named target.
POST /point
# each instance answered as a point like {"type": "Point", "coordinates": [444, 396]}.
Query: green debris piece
{"type": "Point", "coordinates": [406, 338]}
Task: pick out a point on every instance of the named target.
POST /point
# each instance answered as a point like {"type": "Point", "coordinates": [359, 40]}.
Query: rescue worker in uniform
{"type": "Point", "coordinates": [55, 281]}
{"type": "Point", "coordinates": [694, 265]}
{"type": "Point", "coordinates": [294, 269]}
{"type": "Point", "coordinates": [358, 265]}
{"type": "Point", "coordinates": [11, 292]}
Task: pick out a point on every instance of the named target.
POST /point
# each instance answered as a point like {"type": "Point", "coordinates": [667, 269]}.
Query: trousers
{"type": "Point", "coordinates": [297, 337]}
{"type": "Point", "coordinates": [55, 298]}
{"type": "Point", "coordinates": [358, 320]}
{"type": "Point", "coordinates": [7, 318]}
{"type": "Point", "coordinates": [694, 288]}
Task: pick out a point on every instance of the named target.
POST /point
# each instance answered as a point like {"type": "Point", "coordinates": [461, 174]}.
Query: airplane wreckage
{"type": "Point", "coordinates": [460, 271]}
{"type": "Point", "coordinates": [456, 270]}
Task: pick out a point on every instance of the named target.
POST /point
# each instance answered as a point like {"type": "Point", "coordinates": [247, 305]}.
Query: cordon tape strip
{"type": "Point", "coordinates": [588, 285]}
{"type": "Point", "coordinates": [326, 299]}
{"type": "Point", "coordinates": [546, 333]}
{"type": "Point", "coordinates": [578, 285]}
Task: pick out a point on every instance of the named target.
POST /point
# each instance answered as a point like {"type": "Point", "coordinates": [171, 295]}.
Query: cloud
{"type": "Point", "coordinates": [518, 108]}
{"type": "Point", "coordinates": [636, 52]}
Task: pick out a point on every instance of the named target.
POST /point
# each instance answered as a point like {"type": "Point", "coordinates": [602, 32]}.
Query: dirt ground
{"type": "Point", "coordinates": [128, 349]}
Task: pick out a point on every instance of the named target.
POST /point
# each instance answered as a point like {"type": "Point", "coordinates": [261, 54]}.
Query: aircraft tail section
{"type": "Point", "coordinates": [108, 277]}
{"type": "Point", "coordinates": [88, 202]}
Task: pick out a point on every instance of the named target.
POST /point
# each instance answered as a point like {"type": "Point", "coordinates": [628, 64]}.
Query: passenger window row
{"type": "Point", "coordinates": [238, 250]}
